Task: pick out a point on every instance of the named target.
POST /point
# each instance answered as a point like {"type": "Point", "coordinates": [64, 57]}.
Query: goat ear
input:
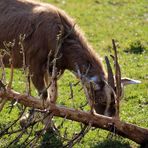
{"type": "Point", "coordinates": [127, 81]}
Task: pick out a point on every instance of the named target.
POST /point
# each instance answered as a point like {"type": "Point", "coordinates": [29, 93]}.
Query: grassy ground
{"type": "Point", "coordinates": [101, 20]}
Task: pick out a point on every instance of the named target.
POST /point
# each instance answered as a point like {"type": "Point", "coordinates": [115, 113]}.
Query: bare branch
{"type": "Point", "coordinates": [25, 66]}
{"type": "Point", "coordinates": [5, 131]}
{"type": "Point", "coordinates": [3, 77]}
{"type": "Point", "coordinates": [133, 132]}
{"type": "Point", "coordinates": [77, 137]}
{"type": "Point", "coordinates": [9, 48]}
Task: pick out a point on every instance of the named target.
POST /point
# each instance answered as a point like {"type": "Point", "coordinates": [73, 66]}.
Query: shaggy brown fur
{"type": "Point", "coordinates": [42, 23]}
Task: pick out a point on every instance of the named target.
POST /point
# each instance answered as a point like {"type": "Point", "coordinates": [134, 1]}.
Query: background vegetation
{"type": "Point", "coordinates": [101, 20]}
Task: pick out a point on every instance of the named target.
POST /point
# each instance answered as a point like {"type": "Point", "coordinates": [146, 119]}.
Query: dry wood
{"type": "Point", "coordinates": [117, 78]}
{"type": "Point", "coordinates": [130, 131]}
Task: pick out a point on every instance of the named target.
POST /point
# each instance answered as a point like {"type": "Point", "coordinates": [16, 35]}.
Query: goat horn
{"type": "Point", "coordinates": [117, 71]}
{"type": "Point", "coordinates": [110, 73]}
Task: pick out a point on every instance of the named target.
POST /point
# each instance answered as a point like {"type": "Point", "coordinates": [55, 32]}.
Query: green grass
{"type": "Point", "coordinates": [102, 20]}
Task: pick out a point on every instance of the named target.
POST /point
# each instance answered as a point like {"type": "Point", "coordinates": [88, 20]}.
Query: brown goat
{"type": "Point", "coordinates": [41, 23]}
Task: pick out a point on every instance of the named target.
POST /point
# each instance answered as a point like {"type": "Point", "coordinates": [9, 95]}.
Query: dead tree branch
{"type": "Point", "coordinates": [130, 131]}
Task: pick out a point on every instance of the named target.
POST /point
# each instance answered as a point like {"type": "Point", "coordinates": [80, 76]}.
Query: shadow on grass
{"type": "Point", "coordinates": [135, 47]}
{"type": "Point", "coordinates": [50, 139]}
{"type": "Point", "coordinates": [109, 143]}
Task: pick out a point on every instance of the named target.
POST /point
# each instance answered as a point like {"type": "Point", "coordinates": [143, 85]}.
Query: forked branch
{"type": "Point", "coordinates": [130, 131]}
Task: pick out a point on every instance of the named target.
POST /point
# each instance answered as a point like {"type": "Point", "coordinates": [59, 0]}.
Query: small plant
{"type": "Point", "coordinates": [136, 47]}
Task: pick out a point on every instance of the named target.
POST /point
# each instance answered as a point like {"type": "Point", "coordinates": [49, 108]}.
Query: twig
{"type": "Point", "coordinates": [13, 132]}
{"type": "Point", "coordinates": [42, 132]}
{"type": "Point", "coordinates": [87, 86]}
{"type": "Point", "coordinates": [9, 48]}
{"type": "Point", "coordinates": [71, 90]}
{"type": "Point", "coordinates": [17, 139]}
{"type": "Point", "coordinates": [118, 79]}
{"type": "Point", "coordinates": [53, 83]}
{"type": "Point", "coordinates": [6, 129]}
{"type": "Point", "coordinates": [26, 69]}
{"type": "Point", "coordinates": [3, 77]}
{"type": "Point", "coordinates": [29, 134]}
{"type": "Point", "coordinates": [83, 105]}
{"type": "Point", "coordinates": [78, 137]}
{"type": "Point", "coordinates": [24, 129]}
